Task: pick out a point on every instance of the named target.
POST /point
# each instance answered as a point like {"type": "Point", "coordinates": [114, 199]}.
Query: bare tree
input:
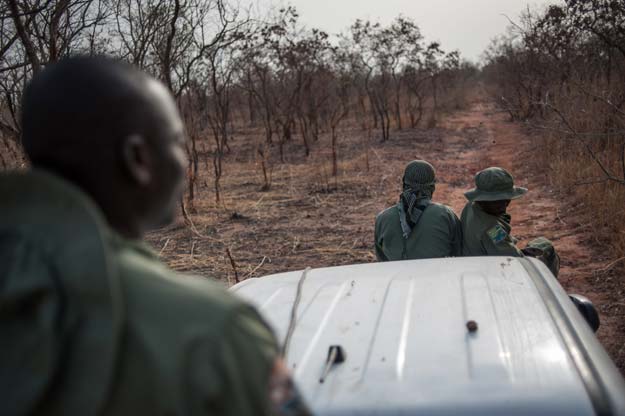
{"type": "Point", "coordinates": [339, 102]}
{"type": "Point", "coordinates": [221, 61]}
{"type": "Point", "coordinates": [33, 34]}
{"type": "Point", "coordinates": [397, 46]}
{"type": "Point", "coordinates": [563, 73]}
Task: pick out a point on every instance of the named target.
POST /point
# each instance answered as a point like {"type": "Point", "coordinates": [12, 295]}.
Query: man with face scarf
{"type": "Point", "coordinates": [416, 227]}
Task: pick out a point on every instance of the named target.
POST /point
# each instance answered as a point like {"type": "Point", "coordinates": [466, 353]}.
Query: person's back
{"type": "Point", "coordinates": [91, 321]}
{"type": "Point", "coordinates": [416, 227]}
{"type": "Point", "coordinates": [436, 234]}
{"type": "Point", "coordinates": [44, 265]}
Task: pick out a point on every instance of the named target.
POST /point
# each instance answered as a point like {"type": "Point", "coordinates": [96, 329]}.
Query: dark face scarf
{"type": "Point", "coordinates": [412, 202]}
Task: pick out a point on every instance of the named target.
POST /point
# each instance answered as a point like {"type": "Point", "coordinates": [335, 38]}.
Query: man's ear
{"type": "Point", "coordinates": [137, 159]}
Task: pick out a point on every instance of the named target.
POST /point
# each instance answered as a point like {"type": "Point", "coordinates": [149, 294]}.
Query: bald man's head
{"type": "Point", "coordinates": [113, 131]}
{"type": "Point", "coordinates": [80, 104]}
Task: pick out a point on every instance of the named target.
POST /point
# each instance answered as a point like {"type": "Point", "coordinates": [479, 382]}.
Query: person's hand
{"type": "Point", "coordinates": [532, 251]}
{"type": "Point", "coordinates": [283, 393]}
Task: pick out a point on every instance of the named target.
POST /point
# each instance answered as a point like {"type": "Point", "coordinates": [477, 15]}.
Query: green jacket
{"type": "Point", "coordinates": [92, 323]}
{"type": "Point", "coordinates": [485, 234]}
{"type": "Point", "coordinates": [438, 234]}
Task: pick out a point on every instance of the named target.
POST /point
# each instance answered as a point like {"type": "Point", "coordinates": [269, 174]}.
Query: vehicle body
{"type": "Point", "coordinates": [407, 347]}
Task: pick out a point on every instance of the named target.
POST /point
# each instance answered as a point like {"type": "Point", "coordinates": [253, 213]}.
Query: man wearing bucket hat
{"type": "Point", "coordinates": [416, 227]}
{"type": "Point", "coordinates": [486, 224]}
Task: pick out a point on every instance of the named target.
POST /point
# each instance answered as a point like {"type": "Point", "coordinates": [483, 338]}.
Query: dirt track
{"type": "Point", "coordinates": [550, 214]}
{"type": "Point", "coordinates": [304, 220]}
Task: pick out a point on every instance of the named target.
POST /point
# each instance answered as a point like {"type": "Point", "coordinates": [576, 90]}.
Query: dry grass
{"type": "Point", "coordinates": [587, 124]}
{"type": "Point", "coordinates": [592, 206]}
{"type": "Point", "coordinates": [307, 217]}
{"type": "Point", "coordinates": [600, 209]}
{"type": "Point", "coordinates": [603, 204]}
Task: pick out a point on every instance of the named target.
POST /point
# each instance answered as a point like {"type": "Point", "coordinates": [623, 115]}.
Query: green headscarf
{"type": "Point", "coordinates": [419, 182]}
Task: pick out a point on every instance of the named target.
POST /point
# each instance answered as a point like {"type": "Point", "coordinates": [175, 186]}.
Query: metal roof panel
{"type": "Point", "coordinates": [403, 328]}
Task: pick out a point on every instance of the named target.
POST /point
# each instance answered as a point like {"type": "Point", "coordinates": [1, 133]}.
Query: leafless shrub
{"type": "Point", "coordinates": [223, 67]}
{"type": "Point", "coordinates": [561, 71]}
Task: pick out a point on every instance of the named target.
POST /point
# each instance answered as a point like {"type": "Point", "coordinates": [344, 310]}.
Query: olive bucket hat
{"type": "Point", "coordinates": [494, 184]}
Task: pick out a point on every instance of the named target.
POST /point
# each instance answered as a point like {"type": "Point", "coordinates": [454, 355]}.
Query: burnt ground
{"type": "Point", "coordinates": [309, 218]}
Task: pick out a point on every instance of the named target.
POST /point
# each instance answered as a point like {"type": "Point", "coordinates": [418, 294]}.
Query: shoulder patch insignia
{"type": "Point", "coordinates": [497, 234]}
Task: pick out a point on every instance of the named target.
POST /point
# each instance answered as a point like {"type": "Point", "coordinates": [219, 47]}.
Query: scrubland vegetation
{"type": "Point", "coordinates": [297, 137]}
{"type": "Point", "coordinates": [229, 70]}
{"type": "Point", "coordinates": [562, 73]}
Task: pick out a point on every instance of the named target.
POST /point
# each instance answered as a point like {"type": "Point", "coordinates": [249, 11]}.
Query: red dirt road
{"type": "Point", "coordinates": [546, 212]}
{"type": "Point", "coordinates": [308, 218]}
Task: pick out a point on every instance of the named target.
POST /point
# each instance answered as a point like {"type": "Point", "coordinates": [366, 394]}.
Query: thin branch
{"type": "Point", "coordinates": [167, 58]}
{"type": "Point", "coordinates": [567, 132]}
{"type": "Point", "coordinates": [590, 182]}
{"type": "Point", "coordinates": [24, 36]}
{"type": "Point", "coordinates": [164, 247]}
{"type": "Point", "coordinates": [587, 146]}
{"type": "Point", "coordinates": [610, 266]}
{"type": "Point", "coordinates": [623, 159]}
{"type": "Point", "coordinates": [600, 98]}
{"type": "Point", "coordinates": [14, 67]}
{"type": "Point", "coordinates": [255, 268]}
{"type": "Point", "coordinates": [512, 22]}
{"type": "Point", "coordinates": [8, 44]}
{"type": "Point", "coordinates": [234, 265]}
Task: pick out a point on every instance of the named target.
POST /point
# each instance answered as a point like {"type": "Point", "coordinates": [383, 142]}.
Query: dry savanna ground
{"type": "Point", "coordinates": [309, 218]}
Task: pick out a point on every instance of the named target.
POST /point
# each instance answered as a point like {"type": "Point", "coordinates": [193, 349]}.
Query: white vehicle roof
{"type": "Point", "coordinates": [403, 328]}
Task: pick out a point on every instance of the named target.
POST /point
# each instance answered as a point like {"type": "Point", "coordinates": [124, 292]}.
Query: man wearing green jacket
{"type": "Point", "coordinates": [486, 225]}
{"type": "Point", "coordinates": [91, 321]}
{"type": "Point", "coordinates": [416, 227]}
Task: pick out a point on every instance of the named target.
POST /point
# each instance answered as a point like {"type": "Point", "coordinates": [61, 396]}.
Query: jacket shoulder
{"type": "Point", "coordinates": [200, 345]}
{"type": "Point", "coordinates": [388, 213]}
{"type": "Point", "coordinates": [442, 208]}
{"type": "Point", "coordinates": [190, 327]}
{"type": "Point", "coordinates": [149, 285]}
{"type": "Point", "coordinates": [441, 212]}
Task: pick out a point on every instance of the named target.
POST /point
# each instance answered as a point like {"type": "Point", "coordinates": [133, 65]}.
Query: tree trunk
{"type": "Point", "coordinates": [334, 156]}
{"type": "Point", "coordinates": [24, 36]}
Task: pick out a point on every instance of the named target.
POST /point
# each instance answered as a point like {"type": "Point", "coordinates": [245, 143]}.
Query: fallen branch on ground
{"type": "Point", "coordinates": [234, 266]}
{"type": "Point", "coordinates": [164, 247]}
{"type": "Point", "coordinates": [610, 266]}
{"type": "Point", "coordinates": [247, 276]}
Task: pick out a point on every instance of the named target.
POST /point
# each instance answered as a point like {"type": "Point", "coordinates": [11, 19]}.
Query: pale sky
{"type": "Point", "coordinates": [466, 25]}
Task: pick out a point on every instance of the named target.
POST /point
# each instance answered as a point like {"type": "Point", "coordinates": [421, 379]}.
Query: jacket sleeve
{"type": "Point", "coordinates": [379, 253]}
{"type": "Point", "coordinates": [242, 371]}
{"type": "Point", "coordinates": [499, 244]}
{"type": "Point", "coordinates": [455, 235]}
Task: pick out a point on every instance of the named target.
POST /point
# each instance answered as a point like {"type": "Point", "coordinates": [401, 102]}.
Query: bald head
{"type": "Point", "coordinates": [78, 104]}
{"type": "Point", "coordinates": [110, 129]}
